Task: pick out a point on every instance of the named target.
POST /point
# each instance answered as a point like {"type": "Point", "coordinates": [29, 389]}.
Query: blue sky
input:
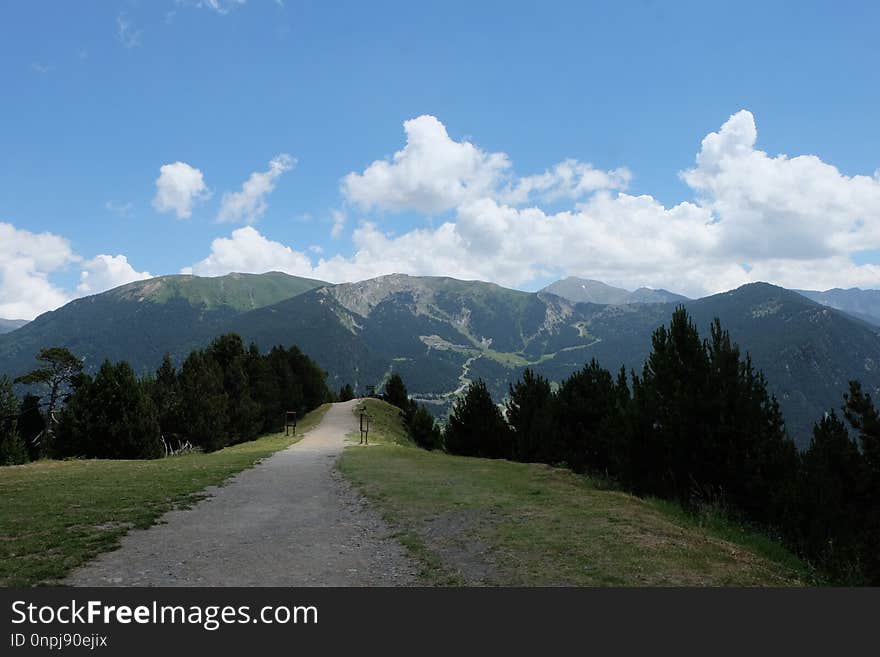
{"type": "Point", "coordinates": [98, 96]}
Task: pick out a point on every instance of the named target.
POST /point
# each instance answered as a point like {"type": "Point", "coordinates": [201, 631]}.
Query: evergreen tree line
{"type": "Point", "coordinates": [698, 426]}
{"type": "Point", "coordinates": [420, 424]}
{"type": "Point", "coordinates": [221, 395]}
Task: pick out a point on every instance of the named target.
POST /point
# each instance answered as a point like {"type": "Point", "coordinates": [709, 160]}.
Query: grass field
{"type": "Point", "coordinates": [478, 521]}
{"type": "Point", "coordinates": [55, 515]}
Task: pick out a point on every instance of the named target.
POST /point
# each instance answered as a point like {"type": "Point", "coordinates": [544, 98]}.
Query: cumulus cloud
{"type": "Point", "coordinates": [434, 173]}
{"type": "Point", "coordinates": [26, 261]}
{"type": "Point", "coordinates": [178, 187]}
{"type": "Point", "coordinates": [431, 174]}
{"type": "Point", "coordinates": [104, 272]}
{"type": "Point", "coordinates": [569, 179]}
{"type": "Point", "coordinates": [248, 251]}
{"type": "Point", "coordinates": [797, 208]}
{"type": "Point", "coordinates": [249, 204]}
{"type": "Point", "coordinates": [793, 221]}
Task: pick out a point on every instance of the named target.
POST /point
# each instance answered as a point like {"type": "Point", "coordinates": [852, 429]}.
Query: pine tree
{"type": "Point", "coordinates": [346, 393]}
{"type": "Point", "coordinates": [864, 418]}
{"type": "Point", "coordinates": [243, 413]}
{"type": "Point", "coordinates": [166, 395]}
{"type": "Point", "coordinates": [830, 495]}
{"type": "Point", "coordinates": [476, 426]}
{"type": "Point", "coordinates": [673, 424]}
{"type": "Point", "coordinates": [395, 392]}
{"type": "Point", "coordinates": [586, 403]}
{"type": "Point", "coordinates": [204, 402]}
{"type": "Point", "coordinates": [530, 413]}
{"type": "Point", "coordinates": [12, 447]}
{"type": "Point", "coordinates": [57, 374]}
{"type": "Point", "coordinates": [111, 416]}
{"type": "Point", "coordinates": [31, 425]}
{"type": "Point", "coordinates": [422, 427]}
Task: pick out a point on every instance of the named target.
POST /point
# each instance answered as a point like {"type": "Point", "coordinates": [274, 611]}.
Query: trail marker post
{"type": "Point", "coordinates": [289, 422]}
{"type": "Point", "coordinates": [365, 428]}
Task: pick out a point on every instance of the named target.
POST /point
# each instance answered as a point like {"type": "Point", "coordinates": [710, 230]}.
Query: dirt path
{"type": "Point", "coordinates": [289, 521]}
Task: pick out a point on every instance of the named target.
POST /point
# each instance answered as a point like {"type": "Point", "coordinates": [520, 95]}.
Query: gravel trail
{"type": "Point", "coordinates": [291, 520]}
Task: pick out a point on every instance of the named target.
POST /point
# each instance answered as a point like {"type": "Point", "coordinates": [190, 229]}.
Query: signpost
{"type": "Point", "coordinates": [365, 428]}
{"type": "Point", "coordinates": [289, 422]}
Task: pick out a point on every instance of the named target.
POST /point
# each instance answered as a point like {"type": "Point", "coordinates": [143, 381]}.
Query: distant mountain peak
{"type": "Point", "coordinates": [9, 325]}
{"type": "Point", "coordinates": [864, 304]}
{"type": "Point", "coordinates": [586, 290]}
{"type": "Point", "coordinates": [237, 291]}
{"type": "Point", "coordinates": [362, 296]}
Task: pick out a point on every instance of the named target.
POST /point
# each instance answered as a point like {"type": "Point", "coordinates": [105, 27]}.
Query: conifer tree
{"type": "Point", "coordinates": [864, 418]}
{"type": "Point", "coordinates": [204, 402]}
{"type": "Point", "coordinates": [530, 414]}
{"type": "Point", "coordinates": [585, 405]}
{"type": "Point", "coordinates": [166, 394]}
{"type": "Point", "coordinates": [476, 426]}
{"type": "Point", "coordinates": [422, 427]}
{"type": "Point", "coordinates": [111, 416]}
{"type": "Point", "coordinates": [346, 393]}
{"type": "Point", "coordinates": [57, 374]}
{"type": "Point", "coordinates": [12, 447]}
{"type": "Point", "coordinates": [395, 392]}
{"type": "Point", "coordinates": [830, 495]}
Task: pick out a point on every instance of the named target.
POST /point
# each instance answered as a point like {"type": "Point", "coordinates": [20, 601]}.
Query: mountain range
{"type": "Point", "coordinates": [584, 290]}
{"type": "Point", "coordinates": [440, 333]}
{"type": "Point", "coordinates": [864, 304]}
{"type": "Point", "coordinates": [141, 321]}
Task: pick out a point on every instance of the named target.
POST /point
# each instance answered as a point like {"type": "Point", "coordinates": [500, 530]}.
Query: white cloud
{"type": "Point", "coordinates": [26, 260]}
{"type": "Point", "coordinates": [569, 179]}
{"type": "Point", "coordinates": [41, 68]}
{"type": "Point", "coordinates": [249, 204]}
{"type": "Point", "coordinates": [434, 173]}
{"type": "Point", "coordinates": [178, 187]}
{"type": "Point", "coordinates": [431, 174]}
{"type": "Point", "coordinates": [104, 272]}
{"type": "Point", "coordinates": [795, 221]}
{"type": "Point", "coordinates": [247, 251]}
{"type": "Point", "coordinates": [778, 207]}
{"type": "Point", "coordinates": [126, 33]}
{"type": "Point", "coordinates": [338, 217]}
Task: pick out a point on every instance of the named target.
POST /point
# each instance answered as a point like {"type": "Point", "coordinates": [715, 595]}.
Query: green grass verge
{"type": "Point", "coordinates": [386, 424]}
{"type": "Point", "coordinates": [56, 515]}
{"type": "Point", "coordinates": [478, 521]}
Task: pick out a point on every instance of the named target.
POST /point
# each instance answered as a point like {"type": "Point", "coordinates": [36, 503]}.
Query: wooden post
{"type": "Point", "coordinates": [365, 428]}
{"type": "Point", "coordinates": [289, 422]}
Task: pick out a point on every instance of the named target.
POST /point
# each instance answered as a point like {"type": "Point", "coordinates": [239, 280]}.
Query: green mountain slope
{"type": "Point", "coordinates": [439, 334]}
{"type": "Point", "coordinates": [442, 333]}
{"type": "Point", "coordinates": [140, 321]}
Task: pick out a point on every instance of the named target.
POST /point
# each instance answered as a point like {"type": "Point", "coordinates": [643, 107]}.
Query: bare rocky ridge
{"type": "Point", "coordinates": [291, 520]}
